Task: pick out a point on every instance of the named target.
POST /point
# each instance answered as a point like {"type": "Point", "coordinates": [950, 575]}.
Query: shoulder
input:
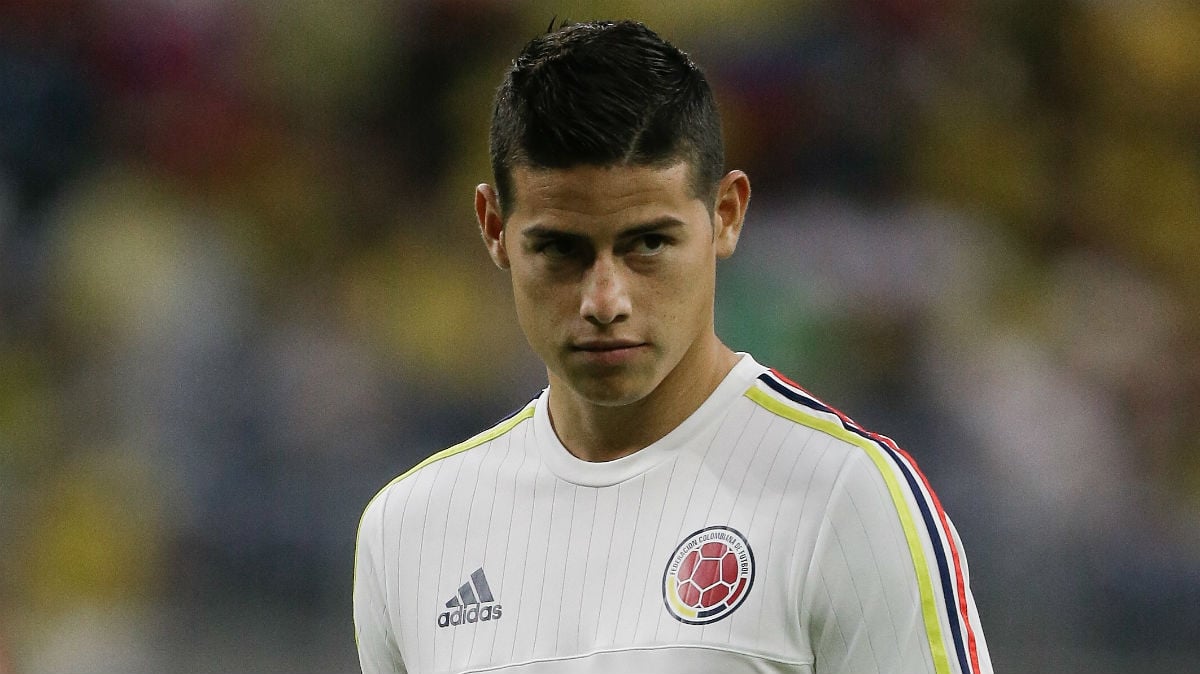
{"type": "Point", "coordinates": [783, 398]}
{"type": "Point", "coordinates": [865, 460]}
{"type": "Point", "coordinates": [883, 507]}
{"type": "Point", "coordinates": [464, 451]}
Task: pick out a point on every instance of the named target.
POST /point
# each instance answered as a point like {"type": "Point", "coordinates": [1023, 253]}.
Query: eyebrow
{"type": "Point", "coordinates": [664, 223]}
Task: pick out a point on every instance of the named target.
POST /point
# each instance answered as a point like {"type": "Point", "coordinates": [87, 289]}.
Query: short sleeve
{"type": "Point", "coordinates": [875, 594]}
{"type": "Point", "coordinates": [377, 651]}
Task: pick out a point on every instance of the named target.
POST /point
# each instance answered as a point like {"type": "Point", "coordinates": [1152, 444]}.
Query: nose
{"type": "Point", "coordinates": [605, 293]}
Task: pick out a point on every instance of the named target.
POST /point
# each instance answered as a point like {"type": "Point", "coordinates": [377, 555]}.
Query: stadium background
{"type": "Point", "coordinates": [240, 288]}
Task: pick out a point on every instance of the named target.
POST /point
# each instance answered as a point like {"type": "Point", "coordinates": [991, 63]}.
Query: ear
{"type": "Point", "coordinates": [729, 211]}
{"type": "Point", "coordinates": [491, 224]}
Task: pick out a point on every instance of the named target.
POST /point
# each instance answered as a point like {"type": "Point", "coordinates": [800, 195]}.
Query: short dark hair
{"type": "Point", "coordinates": [605, 93]}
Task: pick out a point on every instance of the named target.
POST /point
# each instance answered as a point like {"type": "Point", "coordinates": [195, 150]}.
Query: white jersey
{"type": "Point", "coordinates": [766, 533]}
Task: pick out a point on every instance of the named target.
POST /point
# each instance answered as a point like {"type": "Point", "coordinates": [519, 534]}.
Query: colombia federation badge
{"type": "Point", "coordinates": [708, 576]}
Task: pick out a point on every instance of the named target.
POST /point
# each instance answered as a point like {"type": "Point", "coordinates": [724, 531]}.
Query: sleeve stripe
{"type": "Point", "coordinates": [503, 426]}
{"type": "Point", "coordinates": [890, 459]}
{"type": "Point", "coordinates": [963, 612]}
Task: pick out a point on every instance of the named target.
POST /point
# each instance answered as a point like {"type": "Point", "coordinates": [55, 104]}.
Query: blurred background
{"type": "Point", "coordinates": [241, 288]}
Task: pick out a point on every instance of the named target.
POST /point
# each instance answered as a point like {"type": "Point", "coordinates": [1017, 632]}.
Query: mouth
{"type": "Point", "coordinates": [602, 346]}
{"type": "Point", "coordinates": [608, 352]}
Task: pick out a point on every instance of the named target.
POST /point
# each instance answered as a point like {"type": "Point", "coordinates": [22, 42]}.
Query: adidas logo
{"type": "Point", "coordinates": [473, 603]}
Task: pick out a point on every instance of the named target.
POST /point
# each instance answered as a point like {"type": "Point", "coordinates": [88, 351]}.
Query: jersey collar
{"type": "Point", "coordinates": [568, 467]}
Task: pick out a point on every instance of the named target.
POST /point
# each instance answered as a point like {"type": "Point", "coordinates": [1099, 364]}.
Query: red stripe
{"type": "Point", "coordinates": [780, 376]}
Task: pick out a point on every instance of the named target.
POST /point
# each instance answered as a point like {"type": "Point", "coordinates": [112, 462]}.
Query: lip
{"type": "Point", "coordinates": [607, 352]}
{"type": "Point", "coordinates": [602, 345]}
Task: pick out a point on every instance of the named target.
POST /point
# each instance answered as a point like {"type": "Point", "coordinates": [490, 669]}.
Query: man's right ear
{"type": "Point", "coordinates": [491, 224]}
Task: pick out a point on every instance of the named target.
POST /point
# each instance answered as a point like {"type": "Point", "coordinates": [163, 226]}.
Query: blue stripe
{"type": "Point", "coordinates": [931, 523]}
{"type": "Point", "coordinates": [786, 391]}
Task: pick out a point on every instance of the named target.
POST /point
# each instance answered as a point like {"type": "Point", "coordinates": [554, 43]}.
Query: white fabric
{"type": "Point", "coordinates": [574, 553]}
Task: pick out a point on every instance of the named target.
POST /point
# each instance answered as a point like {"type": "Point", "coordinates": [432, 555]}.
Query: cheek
{"type": "Point", "coordinates": [692, 285]}
{"type": "Point", "coordinates": [527, 301]}
{"type": "Point", "coordinates": [681, 306]}
{"type": "Point", "coordinates": [536, 294]}
{"type": "Point", "coordinates": [539, 306]}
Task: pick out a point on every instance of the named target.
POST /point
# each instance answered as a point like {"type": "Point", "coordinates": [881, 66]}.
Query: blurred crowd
{"type": "Point", "coordinates": [241, 289]}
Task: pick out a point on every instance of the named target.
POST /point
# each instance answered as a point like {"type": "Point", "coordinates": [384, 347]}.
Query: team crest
{"type": "Point", "coordinates": [708, 576]}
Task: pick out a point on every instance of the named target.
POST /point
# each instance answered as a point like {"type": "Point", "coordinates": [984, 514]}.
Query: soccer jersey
{"type": "Point", "coordinates": [766, 533]}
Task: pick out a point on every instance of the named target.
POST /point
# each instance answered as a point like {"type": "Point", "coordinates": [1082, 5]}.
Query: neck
{"type": "Point", "coordinates": [594, 432]}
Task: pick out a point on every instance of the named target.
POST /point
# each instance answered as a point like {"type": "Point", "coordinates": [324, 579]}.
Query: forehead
{"type": "Point", "coordinates": [613, 194]}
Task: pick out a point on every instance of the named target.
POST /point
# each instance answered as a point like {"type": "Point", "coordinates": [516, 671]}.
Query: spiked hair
{"type": "Point", "coordinates": [604, 94]}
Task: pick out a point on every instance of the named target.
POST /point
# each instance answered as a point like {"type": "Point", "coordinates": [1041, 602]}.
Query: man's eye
{"type": "Point", "coordinates": [558, 248]}
{"type": "Point", "coordinates": [650, 244]}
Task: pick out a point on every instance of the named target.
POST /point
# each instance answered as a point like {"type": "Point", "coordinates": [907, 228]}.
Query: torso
{"type": "Point", "coordinates": [508, 554]}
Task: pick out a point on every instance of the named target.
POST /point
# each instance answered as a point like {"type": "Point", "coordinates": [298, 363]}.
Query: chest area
{"type": "Point", "coordinates": [527, 568]}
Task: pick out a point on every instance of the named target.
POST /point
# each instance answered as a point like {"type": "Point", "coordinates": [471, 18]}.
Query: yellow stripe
{"type": "Point", "coordinates": [490, 434]}
{"type": "Point", "coordinates": [933, 630]}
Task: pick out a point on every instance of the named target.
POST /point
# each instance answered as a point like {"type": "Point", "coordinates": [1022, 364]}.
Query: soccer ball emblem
{"type": "Point", "coordinates": [708, 575]}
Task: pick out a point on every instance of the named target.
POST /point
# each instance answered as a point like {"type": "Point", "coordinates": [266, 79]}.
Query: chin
{"type": "Point", "coordinates": [609, 397]}
{"type": "Point", "coordinates": [611, 393]}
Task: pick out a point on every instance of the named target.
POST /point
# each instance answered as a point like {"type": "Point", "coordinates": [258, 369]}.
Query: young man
{"type": "Point", "coordinates": [666, 504]}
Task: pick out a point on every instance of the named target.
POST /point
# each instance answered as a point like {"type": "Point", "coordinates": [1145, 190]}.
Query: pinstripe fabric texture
{"type": "Point", "coordinates": [855, 566]}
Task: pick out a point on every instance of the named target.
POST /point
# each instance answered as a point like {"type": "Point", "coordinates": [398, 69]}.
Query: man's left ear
{"type": "Point", "coordinates": [729, 211]}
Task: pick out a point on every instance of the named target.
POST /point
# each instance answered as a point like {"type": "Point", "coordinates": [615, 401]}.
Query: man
{"type": "Point", "coordinates": [666, 504]}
